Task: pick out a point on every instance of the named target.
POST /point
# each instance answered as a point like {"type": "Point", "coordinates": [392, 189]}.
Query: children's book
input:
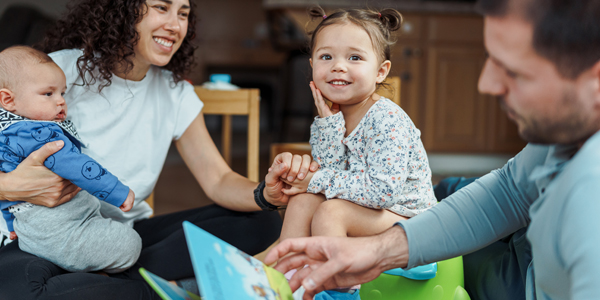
{"type": "Point", "coordinates": [165, 289]}
{"type": "Point", "coordinates": [223, 272]}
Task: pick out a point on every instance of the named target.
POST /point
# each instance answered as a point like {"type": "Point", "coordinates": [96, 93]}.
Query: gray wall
{"type": "Point", "coordinates": [52, 8]}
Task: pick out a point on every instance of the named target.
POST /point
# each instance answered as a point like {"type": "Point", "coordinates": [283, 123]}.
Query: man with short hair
{"type": "Point", "coordinates": [544, 67]}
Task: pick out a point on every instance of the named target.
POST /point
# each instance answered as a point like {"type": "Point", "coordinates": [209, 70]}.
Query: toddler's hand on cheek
{"type": "Point", "coordinates": [322, 107]}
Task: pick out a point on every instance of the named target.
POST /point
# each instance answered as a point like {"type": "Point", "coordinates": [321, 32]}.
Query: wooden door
{"type": "Point", "coordinates": [456, 113]}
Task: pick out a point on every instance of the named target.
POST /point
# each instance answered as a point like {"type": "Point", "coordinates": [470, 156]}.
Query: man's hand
{"type": "Point", "coordinates": [339, 262]}
{"type": "Point", "coordinates": [32, 182]}
{"type": "Point", "coordinates": [290, 167]}
{"type": "Point", "coordinates": [128, 204]}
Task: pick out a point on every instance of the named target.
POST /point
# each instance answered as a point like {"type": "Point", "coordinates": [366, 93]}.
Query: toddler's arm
{"type": "Point", "coordinates": [326, 135]}
{"type": "Point", "coordinates": [379, 183]}
{"type": "Point", "coordinates": [327, 132]}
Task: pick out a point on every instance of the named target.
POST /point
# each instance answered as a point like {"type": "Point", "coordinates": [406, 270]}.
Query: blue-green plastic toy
{"type": "Point", "coordinates": [446, 284]}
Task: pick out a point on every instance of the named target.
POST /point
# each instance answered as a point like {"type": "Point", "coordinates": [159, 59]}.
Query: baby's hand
{"type": "Point", "coordinates": [128, 204]}
{"type": "Point", "coordinates": [13, 236]}
{"type": "Point", "coordinates": [297, 186]}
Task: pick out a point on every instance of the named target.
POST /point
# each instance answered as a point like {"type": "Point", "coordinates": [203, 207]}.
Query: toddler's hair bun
{"type": "Point", "coordinates": [391, 18]}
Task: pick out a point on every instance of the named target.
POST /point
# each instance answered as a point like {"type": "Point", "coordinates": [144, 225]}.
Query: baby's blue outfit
{"type": "Point", "coordinates": [21, 138]}
{"type": "Point", "coordinates": [555, 191]}
{"type": "Point", "coordinates": [69, 234]}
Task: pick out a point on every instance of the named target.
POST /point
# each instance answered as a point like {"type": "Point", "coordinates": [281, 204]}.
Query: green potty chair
{"type": "Point", "coordinates": [443, 280]}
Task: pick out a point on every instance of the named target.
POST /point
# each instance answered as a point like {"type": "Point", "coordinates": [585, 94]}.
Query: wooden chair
{"type": "Point", "coordinates": [393, 93]}
{"type": "Point", "coordinates": [240, 102]}
{"type": "Point", "coordinates": [395, 87]}
{"type": "Point", "coordinates": [228, 103]}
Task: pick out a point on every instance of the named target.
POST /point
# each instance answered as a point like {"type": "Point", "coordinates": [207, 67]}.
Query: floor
{"type": "Point", "coordinates": [177, 189]}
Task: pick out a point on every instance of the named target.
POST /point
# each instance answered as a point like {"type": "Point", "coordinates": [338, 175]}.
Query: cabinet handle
{"type": "Point", "coordinates": [405, 76]}
{"type": "Point", "coordinates": [418, 52]}
{"type": "Point", "coordinates": [407, 52]}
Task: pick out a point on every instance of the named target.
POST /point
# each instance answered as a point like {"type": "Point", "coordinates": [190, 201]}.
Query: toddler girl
{"type": "Point", "coordinates": [374, 169]}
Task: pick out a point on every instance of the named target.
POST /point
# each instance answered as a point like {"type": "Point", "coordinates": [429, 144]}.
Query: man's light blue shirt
{"type": "Point", "coordinates": [553, 189]}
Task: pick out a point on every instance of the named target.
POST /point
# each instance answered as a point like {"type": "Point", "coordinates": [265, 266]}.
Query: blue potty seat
{"type": "Point", "coordinates": [417, 273]}
{"type": "Point", "coordinates": [334, 295]}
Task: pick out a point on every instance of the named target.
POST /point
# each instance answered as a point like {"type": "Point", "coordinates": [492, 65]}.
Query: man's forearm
{"type": "Point", "coordinates": [490, 208]}
{"type": "Point", "coordinates": [392, 248]}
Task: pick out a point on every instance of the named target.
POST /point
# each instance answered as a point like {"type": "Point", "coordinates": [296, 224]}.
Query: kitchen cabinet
{"type": "Point", "coordinates": [439, 58]}
{"type": "Point", "coordinates": [439, 55]}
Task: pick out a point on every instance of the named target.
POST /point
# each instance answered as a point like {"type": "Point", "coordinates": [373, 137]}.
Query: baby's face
{"type": "Point", "coordinates": [39, 95]}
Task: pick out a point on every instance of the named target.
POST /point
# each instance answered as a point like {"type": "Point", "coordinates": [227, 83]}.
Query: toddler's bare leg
{"type": "Point", "coordinates": [299, 214]}
{"type": "Point", "coordinates": [337, 217]}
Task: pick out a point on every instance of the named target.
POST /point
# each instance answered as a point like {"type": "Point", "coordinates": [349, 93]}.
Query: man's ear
{"type": "Point", "coordinates": [595, 73]}
{"type": "Point", "coordinates": [384, 70]}
{"type": "Point", "coordinates": [7, 99]}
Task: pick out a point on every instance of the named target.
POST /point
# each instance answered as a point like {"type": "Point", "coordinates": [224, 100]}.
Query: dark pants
{"type": "Point", "coordinates": [164, 252]}
{"type": "Point", "coordinates": [499, 270]}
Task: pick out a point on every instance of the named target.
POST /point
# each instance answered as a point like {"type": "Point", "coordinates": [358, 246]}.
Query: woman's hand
{"type": "Point", "coordinates": [322, 107]}
{"type": "Point", "coordinates": [32, 182]}
{"type": "Point", "coordinates": [288, 166]}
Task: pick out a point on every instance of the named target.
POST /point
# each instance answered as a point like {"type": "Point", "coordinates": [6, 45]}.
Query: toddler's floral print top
{"type": "Point", "coordinates": [381, 164]}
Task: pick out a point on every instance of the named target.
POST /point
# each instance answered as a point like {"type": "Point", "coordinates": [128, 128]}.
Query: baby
{"type": "Point", "coordinates": [73, 235]}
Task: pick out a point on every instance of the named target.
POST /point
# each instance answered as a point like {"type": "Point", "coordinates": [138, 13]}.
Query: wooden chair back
{"type": "Point", "coordinates": [230, 103]}
{"type": "Point", "coordinates": [395, 88]}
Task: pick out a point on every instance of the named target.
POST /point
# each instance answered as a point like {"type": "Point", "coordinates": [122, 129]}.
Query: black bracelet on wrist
{"type": "Point", "coordinates": [260, 200]}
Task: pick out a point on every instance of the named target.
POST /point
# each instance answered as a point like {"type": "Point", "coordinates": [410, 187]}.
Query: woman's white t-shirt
{"type": "Point", "coordinates": [129, 126]}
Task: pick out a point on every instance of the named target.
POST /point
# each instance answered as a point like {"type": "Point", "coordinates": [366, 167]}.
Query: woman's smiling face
{"type": "Point", "coordinates": [161, 32]}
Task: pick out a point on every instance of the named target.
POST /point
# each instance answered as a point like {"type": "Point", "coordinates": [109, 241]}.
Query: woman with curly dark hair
{"type": "Point", "coordinates": [106, 32]}
{"type": "Point", "coordinates": [124, 61]}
